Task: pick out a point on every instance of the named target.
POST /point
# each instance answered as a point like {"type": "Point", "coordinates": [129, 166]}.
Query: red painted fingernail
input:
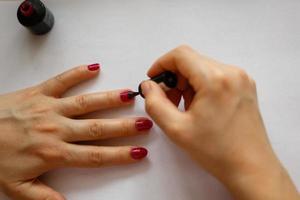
{"type": "Point", "coordinates": [138, 153]}
{"type": "Point", "coordinates": [143, 124]}
{"type": "Point", "coordinates": [94, 67]}
{"type": "Point", "coordinates": [126, 96]}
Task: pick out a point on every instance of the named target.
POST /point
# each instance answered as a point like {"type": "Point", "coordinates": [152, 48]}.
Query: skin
{"type": "Point", "coordinates": [221, 127]}
{"type": "Point", "coordinates": [39, 133]}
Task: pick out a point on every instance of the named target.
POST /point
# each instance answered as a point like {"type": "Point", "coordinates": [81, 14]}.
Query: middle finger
{"type": "Point", "coordinates": [95, 129]}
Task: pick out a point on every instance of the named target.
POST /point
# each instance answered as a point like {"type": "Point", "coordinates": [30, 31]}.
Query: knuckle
{"type": "Point", "coordinates": [111, 98]}
{"type": "Point", "coordinates": [245, 80]}
{"type": "Point", "coordinates": [221, 83]}
{"type": "Point", "coordinates": [32, 92]}
{"type": "Point", "coordinates": [81, 101]}
{"type": "Point", "coordinates": [96, 158]}
{"type": "Point", "coordinates": [38, 109]}
{"type": "Point", "coordinates": [59, 79]}
{"type": "Point", "coordinates": [96, 130]}
{"type": "Point", "coordinates": [220, 78]}
{"type": "Point", "coordinates": [80, 70]}
{"type": "Point", "coordinates": [45, 87]}
{"type": "Point", "coordinates": [45, 127]}
{"type": "Point", "coordinates": [184, 48]}
{"type": "Point", "coordinates": [242, 74]}
{"type": "Point", "coordinates": [125, 127]}
{"type": "Point", "coordinates": [47, 152]}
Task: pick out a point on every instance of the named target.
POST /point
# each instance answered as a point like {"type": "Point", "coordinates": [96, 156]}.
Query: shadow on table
{"type": "Point", "coordinates": [82, 180]}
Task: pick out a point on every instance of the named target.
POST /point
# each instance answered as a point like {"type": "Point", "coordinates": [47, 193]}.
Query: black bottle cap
{"type": "Point", "coordinates": [31, 12]}
{"type": "Point", "coordinates": [168, 78]}
{"type": "Point", "coordinates": [26, 9]}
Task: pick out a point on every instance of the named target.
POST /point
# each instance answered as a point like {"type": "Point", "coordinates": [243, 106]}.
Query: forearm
{"type": "Point", "coordinates": [267, 183]}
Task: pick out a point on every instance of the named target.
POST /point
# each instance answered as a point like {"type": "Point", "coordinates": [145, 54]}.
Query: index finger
{"type": "Point", "coordinates": [59, 84]}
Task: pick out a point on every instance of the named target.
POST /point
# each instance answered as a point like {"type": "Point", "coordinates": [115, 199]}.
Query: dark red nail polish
{"type": "Point", "coordinates": [127, 95]}
{"type": "Point", "coordinates": [138, 153]}
{"type": "Point", "coordinates": [94, 67]}
{"type": "Point", "coordinates": [26, 8]}
{"type": "Point", "coordinates": [143, 124]}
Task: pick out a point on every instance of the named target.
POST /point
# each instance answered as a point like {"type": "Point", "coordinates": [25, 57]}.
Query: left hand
{"type": "Point", "coordinates": [38, 133]}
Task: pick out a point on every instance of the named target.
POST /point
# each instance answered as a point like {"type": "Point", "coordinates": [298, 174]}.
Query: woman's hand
{"type": "Point", "coordinates": [222, 128]}
{"type": "Point", "coordinates": [37, 133]}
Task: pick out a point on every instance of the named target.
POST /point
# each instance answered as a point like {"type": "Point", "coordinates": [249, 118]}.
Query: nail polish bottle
{"type": "Point", "coordinates": [34, 15]}
{"type": "Point", "coordinates": [166, 80]}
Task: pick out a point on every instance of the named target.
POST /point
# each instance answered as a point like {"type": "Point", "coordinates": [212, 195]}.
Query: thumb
{"type": "Point", "coordinates": [35, 190]}
{"type": "Point", "coordinates": [158, 106]}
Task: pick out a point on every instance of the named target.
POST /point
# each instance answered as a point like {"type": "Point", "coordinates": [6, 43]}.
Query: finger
{"type": "Point", "coordinates": [92, 156]}
{"type": "Point", "coordinates": [61, 83]}
{"type": "Point", "coordinates": [159, 107]}
{"type": "Point", "coordinates": [82, 104]}
{"type": "Point", "coordinates": [186, 62]}
{"type": "Point", "coordinates": [175, 96]}
{"type": "Point", "coordinates": [34, 190]}
{"type": "Point", "coordinates": [83, 130]}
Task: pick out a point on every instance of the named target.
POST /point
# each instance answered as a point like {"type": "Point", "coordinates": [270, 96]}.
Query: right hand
{"type": "Point", "coordinates": [222, 128]}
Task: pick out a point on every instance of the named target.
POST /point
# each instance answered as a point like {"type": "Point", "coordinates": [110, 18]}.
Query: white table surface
{"type": "Point", "coordinates": [126, 37]}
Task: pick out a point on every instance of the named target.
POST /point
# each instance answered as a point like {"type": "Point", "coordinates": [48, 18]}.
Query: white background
{"type": "Point", "coordinates": [263, 37]}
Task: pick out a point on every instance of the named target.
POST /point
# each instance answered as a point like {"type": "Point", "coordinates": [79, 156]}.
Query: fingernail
{"type": "Point", "coordinates": [143, 124]}
{"type": "Point", "coordinates": [138, 153]}
{"type": "Point", "coordinates": [146, 87]}
{"type": "Point", "coordinates": [94, 67]}
{"type": "Point", "coordinates": [126, 96]}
